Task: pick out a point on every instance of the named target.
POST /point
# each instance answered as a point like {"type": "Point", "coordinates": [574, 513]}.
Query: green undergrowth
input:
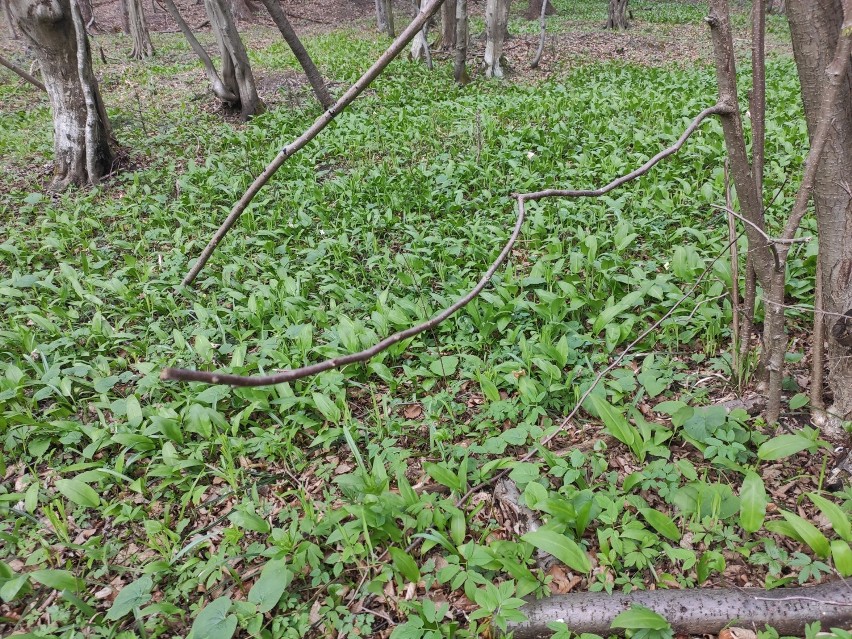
{"type": "Point", "coordinates": [132, 507]}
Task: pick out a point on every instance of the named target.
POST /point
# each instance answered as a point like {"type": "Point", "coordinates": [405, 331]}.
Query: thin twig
{"type": "Point", "coordinates": [26, 76]}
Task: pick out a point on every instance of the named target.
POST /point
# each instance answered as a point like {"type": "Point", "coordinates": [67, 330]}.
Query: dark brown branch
{"type": "Point", "coordinates": [758, 93]}
{"type": "Point", "coordinates": [319, 124]}
{"type": "Point", "coordinates": [695, 611]}
{"type": "Point", "coordinates": [187, 375]}
{"type": "Point", "coordinates": [26, 76]}
{"type": "Point", "coordinates": [298, 49]}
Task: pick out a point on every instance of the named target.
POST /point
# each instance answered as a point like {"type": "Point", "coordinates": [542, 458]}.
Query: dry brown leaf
{"type": "Point", "coordinates": [413, 411]}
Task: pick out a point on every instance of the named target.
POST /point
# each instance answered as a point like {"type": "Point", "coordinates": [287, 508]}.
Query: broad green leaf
{"type": "Point", "coordinates": [214, 622]}
{"type": "Point", "coordinates": [327, 407]}
{"type": "Point", "coordinates": [405, 564]}
{"type": "Point", "coordinates": [564, 549]}
{"type": "Point", "coordinates": [79, 492]}
{"type": "Point", "coordinates": [839, 520]}
{"type": "Point", "coordinates": [57, 579]}
{"type": "Point", "coordinates": [132, 596]}
{"type": "Point", "coordinates": [809, 533]}
{"type": "Point", "coordinates": [798, 400]}
{"type": "Point", "coordinates": [609, 314]}
{"type": "Point", "coordinates": [662, 523]}
{"type": "Point", "coordinates": [13, 587]}
{"type": "Point", "coordinates": [273, 581]}
{"type": "Point", "coordinates": [249, 521]}
{"type": "Point", "coordinates": [753, 502]}
{"type": "Point", "coordinates": [783, 446]}
{"type": "Point", "coordinates": [444, 366]}
{"type": "Point", "coordinates": [443, 476]}
{"type": "Point", "coordinates": [134, 411]}
{"type": "Point", "coordinates": [616, 423]}
{"type": "Point", "coordinates": [638, 618]}
{"type": "Point", "coordinates": [842, 555]}
{"type": "Point", "coordinates": [489, 389]}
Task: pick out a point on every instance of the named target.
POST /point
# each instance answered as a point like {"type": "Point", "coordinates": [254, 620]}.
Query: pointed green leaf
{"type": "Point", "coordinates": [57, 579]}
{"type": "Point", "coordinates": [783, 446]}
{"type": "Point", "coordinates": [662, 523]}
{"type": "Point", "coordinates": [842, 555]}
{"type": "Point", "coordinates": [131, 597]}
{"type": "Point", "coordinates": [405, 564]}
{"type": "Point", "coordinates": [214, 622]}
{"type": "Point", "coordinates": [839, 520]}
{"type": "Point", "coordinates": [79, 492]}
{"type": "Point", "coordinates": [564, 549]}
{"type": "Point", "coordinates": [273, 581]}
{"type": "Point", "coordinates": [639, 618]}
{"type": "Point", "coordinates": [809, 533]}
{"type": "Point", "coordinates": [753, 502]}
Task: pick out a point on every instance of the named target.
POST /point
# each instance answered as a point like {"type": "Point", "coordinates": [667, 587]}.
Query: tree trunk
{"type": "Point", "coordinates": [496, 21]}
{"type": "Point", "coordinates": [381, 16]}
{"type": "Point", "coordinates": [815, 27]}
{"type": "Point", "coordinates": [87, 13]}
{"type": "Point", "coordinates": [420, 43]}
{"type": "Point", "coordinates": [12, 31]}
{"type": "Point", "coordinates": [460, 61]}
{"type": "Point", "coordinates": [142, 47]}
{"type": "Point", "coordinates": [298, 49]}
{"type": "Point", "coordinates": [533, 11]}
{"type": "Point", "coordinates": [54, 29]}
{"type": "Point", "coordinates": [242, 10]}
{"type": "Point", "coordinates": [237, 75]}
{"type": "Point", "coordinates": [125, 15]}
{"type": "Point", "coordinates": [448, 25]}
{"type": "Point", "coordinates": [617, 14]}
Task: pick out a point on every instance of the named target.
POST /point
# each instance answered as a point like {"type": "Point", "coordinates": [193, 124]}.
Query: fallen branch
{"type": "Point", "coordinates": [696, 611]}
{"type": "Point", "coordinates": [319, 124]}
{"type": "Point", "coordinates": [187, 375]}
{"type": "Point", "coordinates": [26, 76]}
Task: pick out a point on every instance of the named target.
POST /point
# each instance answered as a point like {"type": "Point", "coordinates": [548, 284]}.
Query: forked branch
{"type": "Point", "coordinates": [187, 375]}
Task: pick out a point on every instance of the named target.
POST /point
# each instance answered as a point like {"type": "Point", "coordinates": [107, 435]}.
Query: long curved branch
{"type": "Point", "coordinates": [695, 611]}
{"type": "Point", "coordinates": [319, 124]}
{"type": "Point", "coordinates": [186, 375]}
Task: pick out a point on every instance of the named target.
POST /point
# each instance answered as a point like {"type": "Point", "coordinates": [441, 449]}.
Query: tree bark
{"type": "Point", "coordinates": [496, 21]}
{"type": "Point", "coordinates": [777, 7]}
{"type": "Point", "coordinates": [242, 10]}
{"type": "Point", "coordinates": [142, 47]}
{"type": "Point", "coordinates": [460, 61]}
{"type": "Point", "coordinates": [617, 14]}
{"type": "Point", "coordinates": [448, 25]}
{"type": "Point", "coordinates": [237, 75]}
{"type": "Point", "coordinates": [12, 31]}
{"type": "Point", "coordinates": [533, 11]}
{"type": "Point", "coordinates": [298, 49]}
{"type": "Point", "coordinates": [81, 133]}
{"type": "Point", "coordinates": [384, 15]}
{"type": "Point", "coordinates": [420, 43]}
{"type": "Point", "coordinates": [815, 26]}
{"type": "Point", "coordinates": [695, 611]}
{"type": "Point", "coordinates": [124, 11]}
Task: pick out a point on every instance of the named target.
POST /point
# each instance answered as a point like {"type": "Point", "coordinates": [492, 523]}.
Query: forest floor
{"type": "Point", "coordinates": [129, 505]}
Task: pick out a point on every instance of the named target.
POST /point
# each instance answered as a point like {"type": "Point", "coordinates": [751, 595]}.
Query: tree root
{"type": "Point", "coordinates": [696, 611]}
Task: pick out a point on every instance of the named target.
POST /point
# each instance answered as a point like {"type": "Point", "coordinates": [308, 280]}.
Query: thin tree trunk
{"type": "Point", "coordinates": [381, 16]}
{"type": "Point", "coordinates": [420, 43]}
{"type": "Point", "coordinates": [236, 69]}
{"type": "Point", "coordinates": [81, 131]}
{"type": "Point", "coordinates": [777, 7]}
{"type": "Point", "coordinates": [387, 9]}
{"type": "Point", "coordinates": [542, 35]}
{"type": "Point", "coordinates": [460, 61]}
{"type": "Point", "coordinates": [142, 47]}
{"type": "Point", "coordinates": [298, 49]}
{"type": "Point", "coordinates": [617, 14]}
{"type": "Point", "coordinates": [12, 31]}
{"type": "Point", "coordinates": [815, 27]}
{"type": "Point", "coordinates": [125, 15]}
{"type": "Point", "coordinates": [241, 10]}
{"type": "Point", "coordinates": [219, 88]}
{"type": "Point", "coordinates": [496, 21]}
{"type": "Point", "coordinates": [448, 25]}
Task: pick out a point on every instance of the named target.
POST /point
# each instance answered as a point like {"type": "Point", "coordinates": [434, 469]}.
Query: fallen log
{"type": "Point", "coordinates": [695, 611]}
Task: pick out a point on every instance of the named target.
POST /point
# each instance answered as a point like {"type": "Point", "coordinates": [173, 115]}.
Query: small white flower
{"type": "Point", "coordinates": [666, 266]}
{"type": "Point", "coordinates": [530, 155]}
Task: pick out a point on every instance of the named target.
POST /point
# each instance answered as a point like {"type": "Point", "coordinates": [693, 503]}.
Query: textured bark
{"type": "Point", "coordinates": [219, 88]}
{"type": "Point", "coordinates": [448, 25]}
{"type": "Point", "coordinates": [777, 7]}
{"type": "Point", "coordinates": [420, 43]}
{"type": "Point", "coordinates": [12, 31]}
{"type": "Point", "coordinates": [81, 133]}
{"type": "Point", "coordinates": [533, 11]}
{"type": "Point", "coordinates": [697, 611]}
{"type": "Point", "coordinates": [142, 47]}
{"type": "Point", "coordinates": [298, 49]}
{"type": "Point", "coordinates": [381, 16]}
{"type": "Point", "coordinates": [460, 61]}
{"type": "Point", "coordinates": [815, 26]}
{"type": "Point", "coordinates": [542, 35]}
{"type": "Point", "coordinates": [496, 21]}
{"type": "Point", "coordinates": [237, 75]}
{"type": "Point", "coordinates": [617, 14]}
{"type": "Point", "coordinates": [125, 15]}
{"type": "Point", "coordinates": [242, 10]}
